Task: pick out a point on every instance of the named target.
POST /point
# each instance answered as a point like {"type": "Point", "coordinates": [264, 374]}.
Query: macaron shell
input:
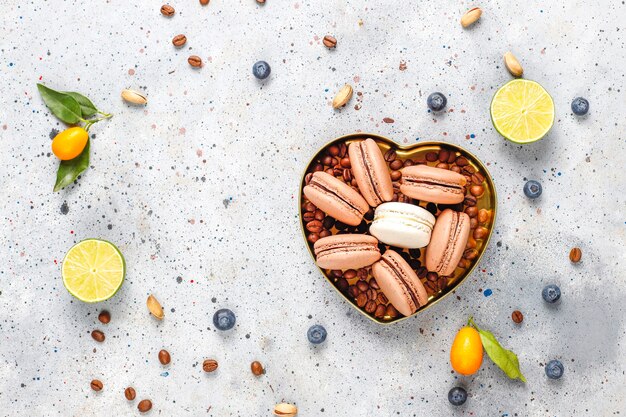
{"type": "Point", "coordinates": [447, 242]}
{"type": "Point", "coordinates": [346, 251]}
{"type": "Point", "coordinates": [433, 188]}
{"type": "Point", "coordinates": [402, 225]}
{"type": "Point", "coordinates": [398, 290]}
{"type": "Point", "coordinates": [342, 202]}
{"type": "Point", "coordinates": [371, 172]}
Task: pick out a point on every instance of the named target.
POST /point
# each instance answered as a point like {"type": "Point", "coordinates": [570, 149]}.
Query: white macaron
{"type": "Point", "coordinates": [403, 225]}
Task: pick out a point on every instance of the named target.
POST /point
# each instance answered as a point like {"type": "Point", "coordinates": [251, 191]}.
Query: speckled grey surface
{"type": "Point", "coordinates": [199, 191]}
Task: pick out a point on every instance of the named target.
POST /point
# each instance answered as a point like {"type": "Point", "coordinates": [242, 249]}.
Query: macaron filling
{"type": "Point", "coordinates": [405, 218]}
{"type": "Point", "coordinates": [453, 185]}
{"type": "Point", "coordinates": [343, 247]}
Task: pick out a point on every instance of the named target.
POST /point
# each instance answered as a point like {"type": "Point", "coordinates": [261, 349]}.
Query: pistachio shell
{"type": "Point", "coordinates": [155, 307]}
{"type": "Point", "coordinates": [471, 16]}
{"type": "Point", "coordinates": [343, 96]}
{"type": "Point", "coordinates": [134, 97]}
{"type": "Point", "coordinates": [513, 65]}
{"type": "Point", "coordinates": [285, 410]}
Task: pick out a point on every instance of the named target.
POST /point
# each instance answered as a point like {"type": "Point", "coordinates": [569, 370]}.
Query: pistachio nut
{"type": "Point", "coordinates": [155, 307]}
{"type": "Point", "coordinates": [134, 97]}
{"type": "Point", "coordinates": [513, 65]}
{"type": "Point", "coordinates": [343, 96]}
{"type": "Point", "coordinates": [285, 410]}
{"type": "Point", "coordinates": [471, 16]}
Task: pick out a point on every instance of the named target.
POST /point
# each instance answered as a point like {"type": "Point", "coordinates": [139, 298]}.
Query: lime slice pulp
{"type": "Point", "coordinates": [93, 270]}
{"type": "Point", "coordinates": [522, 111]}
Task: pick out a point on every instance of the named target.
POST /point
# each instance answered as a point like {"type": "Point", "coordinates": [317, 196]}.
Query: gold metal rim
{"type": "Point", "coordinates": [364, 135]}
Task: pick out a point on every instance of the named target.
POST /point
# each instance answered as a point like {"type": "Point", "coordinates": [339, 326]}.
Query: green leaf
{"type": "Point", "coordinates": [87, 108]}
{"type": "Point", "coordinates": [505, 359]}
{"type": "Point", "coordinates": [70, 170]}
{"type": "Point", "coordinates": [62, 105]}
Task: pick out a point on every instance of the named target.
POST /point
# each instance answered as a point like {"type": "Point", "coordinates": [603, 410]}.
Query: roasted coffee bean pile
{"type": "Point", "coordinates": [359, 286]}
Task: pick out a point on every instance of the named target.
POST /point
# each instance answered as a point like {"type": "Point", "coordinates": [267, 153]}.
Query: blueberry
{"type": "Point", "coordinates": [457, 396]}
{"type": "Point", "coordinates": [580, 106]}
{"type": "Point", "coordinates": [261, 70]}
{"type": "Point", "coordinates": [532, 189]}
{"type": "Point", "coordinates": [316, 334]}
{"type": "Point", "coordinates": [551, 293]}
{"type": "Point", "coordinates": [554, 369]}
{"type": "Point", "coordinates": [436, 101]}
{"type": "Point", "coordinates": [224, 319]}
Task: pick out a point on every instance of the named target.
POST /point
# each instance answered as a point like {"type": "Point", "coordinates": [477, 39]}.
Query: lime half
{"type": "Point", "coordinates": [93, 270]}
{"type": "Point", "coordinates": [522, 111]}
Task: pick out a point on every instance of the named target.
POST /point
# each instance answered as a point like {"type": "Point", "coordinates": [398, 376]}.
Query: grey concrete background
{"type": "Point", "coordinates": [202, 184]}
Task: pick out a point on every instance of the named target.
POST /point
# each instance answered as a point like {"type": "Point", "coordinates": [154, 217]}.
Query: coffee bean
{"type": "Point", "coordinates": [164, 357]}
{"type": "Point", "coordinates": [481, 233]}
{"type": "Point", "coordinates": [442, 165]}
{"type": "Point", "coordinates": [104, 317]}
{"type": "Point", "coordinates": [415, 264]}
{"type": "Point", "coordinates": [130, 393]}
{"type": "Point", "coordinates": [372, 294]}
{"type": "Point", "coordinates": [179, 40]}
{"type": "Point", "coordinates": [443, 155]}
{"type": "Point", "coordinates": [432, 156]}
{"type": "Point", "coordinates": [346, 174]}
{"type": "Point", "coordinates": [422, 272]}
{"type": "Point", "coordinates": [354, 184]}
{"type": "Point", "coordinates": [468, 169]}
{"type": "Point", "coordinates": [313, 237]}
{"type": "Point", "coordinates": [209, 365]}
{"type": "Point", "coordinates": [470, 254]}
{"type": "Point", "coordinates": [330, 171]}
{"type": "Point", "coordinates": [473, 222]}
{"type": "Point", "coordinates": [144, 406]}
{"type": "Point", "coordinates": [396, 164]}
{"type": "Point", "coordinates": [337, 273]}
{"type": "Point", "coordinates": [370, 307]}
{"type": "Point", "coordinates": [204, 2]}
{"type": "Point", "coordinates": [307, 178]}
{"type": "Point", "coordinates": [308, 216]}
{"type": "Point", "coordinates": [477, 190]}
{"type": "Point", "coordinates": [391, 312]}
{"type": "Point", "coordinates": [167, 10]}
{"type": "Point", "coordinates": [340, 225]}
{"type": "Point", "coordinates": [452, 157]}
{"type": "Point", "coordinates": [369, 214]}
{"type": "Point", "coordinates": [362, 286]}
{"type": "Point", "coordinates": [470, 201]}
{"type": "Point", "coordinates": [324, 233]}
{"type": "Point", "coordinates": [343, 149]}
{"type": "Point", "coordinates": [345, 162]}
{"type": "Point", "coordinates": [395, 197]}
{"type": "Point", "coordinates": [432, 208]}
{"type": "Point", "coordinates": [353, 291]}
{"type": "Point", "coordinates": [463, 263]}
{"type": "Point", "coordinates": [381, 298]}
{"type": "Point", "coordinates": [329, 41]}
{"type": "Point", "coordinates": [349, 274]}
{"type": "Point", "coordinates": [455, 169]}
{"type": "Point", "coordinates": [380, 311]}
{"type": "Point", "coordinates": [432, 276]}
{"type": "Point", "coordinates": [484, 215]}
{"type": "Point", "coordinates": [310, 206]}
{"type": "Point", "coordinates": [517, 316]}
{"type": "Point", "coordinates": [195, 61]}
{"type": "Point", "coordinates": [328, 160]}
{"type": "Point", "coordinates": [96, 385]}
{"type": "Point", "coordinates": [575, 255]}
{"type": "Point", "coordinates": [390, 155]}
{"type": "Point", "coordinates": [319, 215]}
{"type": "Point", "coordinates": [472, 211]}
{"type": "Point", "coordinates": [343, 284]}
{"type": "Point", "coordinates": [396, 175]}
{"type": "Point", "coordinates": [442, 283]}
{"type": "Point", "coordinates": [257, 368]}
{"type": "Point", "coordinates": [374, 284]}
{"type": "Point", "coordinates": [431, 287]}
{"type": "Point", "coordinates": [98, 336]}
{"type": "Point", "coordinates": [361, 300]}
{"type": "Point", "coordinates": [415, 253]}
{"type": "Point", "coordinates": [314, 226]}
{"type": "Point", "coordinates": [318, 167]}
{"type": "Point", "coordinates": [462, 161]}
{"type": "Point", "coordinates": [408, 163]}
{"type": "Point", "coordinates": [471, 242]}
{"type": "Point", "coordinates": [478, 178]}
{"type": "Point", "coordinates": [333, 150]}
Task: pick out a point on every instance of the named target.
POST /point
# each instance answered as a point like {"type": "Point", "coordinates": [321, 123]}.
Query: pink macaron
{"type": "Point", "coordinates": [399, 283]}
{"type": "Point", "coordinates": [346, 251]}
{"type": "Point", "coordinates": [371, 172]}
{"type": "Point", "coordinates": [447, 242]}
{"type": "Point", "coordinates": [336, 198]}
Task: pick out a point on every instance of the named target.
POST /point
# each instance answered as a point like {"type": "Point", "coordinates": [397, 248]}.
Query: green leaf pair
{"type": "Point", "coordinates": [505, 359]}
{"type": "Point", "coordinates": [71, 108]}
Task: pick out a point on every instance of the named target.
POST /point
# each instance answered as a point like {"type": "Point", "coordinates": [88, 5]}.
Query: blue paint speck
{"type": "Point", "coordinates": [165, 373]}
{"type": "Point", "coordinates": [472, 135]}
{"type": "Point", "coordinates": [487, 292]}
